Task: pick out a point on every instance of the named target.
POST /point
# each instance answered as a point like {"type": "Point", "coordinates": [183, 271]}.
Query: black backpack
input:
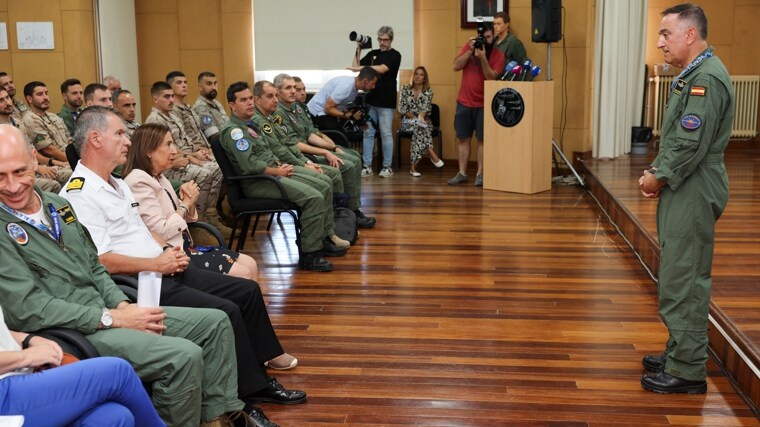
{"type": "Point", "coordinates": [345, 225]}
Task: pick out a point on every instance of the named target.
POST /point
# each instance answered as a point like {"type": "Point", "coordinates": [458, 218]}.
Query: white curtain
{"type": "Point", "coordinates": [619, 58]}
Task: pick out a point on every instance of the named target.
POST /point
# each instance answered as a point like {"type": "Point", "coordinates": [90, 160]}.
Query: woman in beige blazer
{"type": "Point", "coordinates": [152, 152]}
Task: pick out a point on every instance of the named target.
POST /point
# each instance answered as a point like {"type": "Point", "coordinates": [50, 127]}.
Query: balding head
{"type": "Point", "coordinates": [17, 169]}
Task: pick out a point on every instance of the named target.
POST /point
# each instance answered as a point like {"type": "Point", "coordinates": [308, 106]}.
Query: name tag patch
{"type": "Point", "coordinates": [691, 122]}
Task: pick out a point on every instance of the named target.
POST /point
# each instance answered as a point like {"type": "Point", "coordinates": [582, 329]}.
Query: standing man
{"type": "Point", "coordinates": [477, 65]}
{"type": "Point", "coordinates": [211, 111]}
{"type": "Point", "coordinates": [72, 93]}
{"type": "Point", "coordinates": [19, 108]}
{"type": "Point", "coordinates": [125, 103]}
{"type": "Point", "coordinates": [690, 179]}
{"type": "Point", "coordinates": [506, 42]}
{"type": "Point", "coordinates": [386, 61]}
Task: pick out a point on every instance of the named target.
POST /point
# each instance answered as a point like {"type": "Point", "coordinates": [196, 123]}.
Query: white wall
{"type": "Point", "coordinates": [118, 44]}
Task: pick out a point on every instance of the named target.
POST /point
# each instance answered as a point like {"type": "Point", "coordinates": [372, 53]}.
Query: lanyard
{"type": "Point", "coordinates": [690, 67]}
{"type": "Point", "coordinates": [54, 232]}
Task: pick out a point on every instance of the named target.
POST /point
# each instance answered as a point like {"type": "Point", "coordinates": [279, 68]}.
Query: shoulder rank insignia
{"type": "Point", "coordinates": [66, 214]}
{"type": "Point", "coordinates": [17, 233]}
{"type": "Point", "coordinates": [75, 184]}
{"type": "Point", "coordinates": [698, 91]}
{"type": "Point", "coordinates": [691, 122]}
{"type": "Point", "coordinates": [680, 84]}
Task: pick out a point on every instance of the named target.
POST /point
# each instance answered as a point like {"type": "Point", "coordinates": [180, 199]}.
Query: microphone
{"type": "Point", "coordinates": [516, 72]}
{"type": "Point", "coordinates": [525, 69]}
{"type": "Point", "coordinates": [535, 71]}
{"type": "Point", "coordinates": [507, 69]}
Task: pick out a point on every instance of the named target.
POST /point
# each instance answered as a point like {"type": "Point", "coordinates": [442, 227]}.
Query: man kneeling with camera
{"type": "Point", "coordinates": [331, 105]}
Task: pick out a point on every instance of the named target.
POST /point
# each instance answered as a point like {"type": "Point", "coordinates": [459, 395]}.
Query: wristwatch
{"type": "Point", "coordinates": [106, 321]}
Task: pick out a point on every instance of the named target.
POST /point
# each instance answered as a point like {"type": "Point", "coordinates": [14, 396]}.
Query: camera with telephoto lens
{"type": "Point", "coordinates": [364, 41]}
{"type": "Point", "coordinates": [480, 40]}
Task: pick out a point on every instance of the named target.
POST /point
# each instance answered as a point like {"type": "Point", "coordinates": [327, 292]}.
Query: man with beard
{"type": "Point", "coordinates": [72, 92]}
{"type": "Point", "coordinates": [126, 104]}
{"type": "Point", "coordinates": [477, 65]}
{"type": "Point", "coordinates": [45, 130]}
{"type": "Point", "coordinates": [49, 178]}
{"type": "Point", "coordinates": [6, 82]}
{"type": "Point", "coordinates": [212, 114]}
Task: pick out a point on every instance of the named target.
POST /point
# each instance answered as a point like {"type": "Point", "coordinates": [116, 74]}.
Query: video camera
{"type": "Point", "coordinates": [354, 107]}
{"type": "Point", "coordinates": [365, 41]}
{"type": "Point", "coordinates": [480, 40]}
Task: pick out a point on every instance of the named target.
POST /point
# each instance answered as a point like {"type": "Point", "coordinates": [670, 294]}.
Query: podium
{"type": "Point", "coordinates": [518, 158]}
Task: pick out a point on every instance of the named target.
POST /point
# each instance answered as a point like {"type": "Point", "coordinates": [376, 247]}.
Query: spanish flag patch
{"type": "Point", "coordinates": [697, 91]}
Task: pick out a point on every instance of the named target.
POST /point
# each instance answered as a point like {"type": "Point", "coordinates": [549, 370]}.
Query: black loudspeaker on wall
{"type": "Point", "coordinates": [547, 21]}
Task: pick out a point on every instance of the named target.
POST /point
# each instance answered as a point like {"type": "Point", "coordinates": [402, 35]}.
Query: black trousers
{"type": "Point", "coordinates": [255, 339]}
{"type": "Point", "coordinates": [326, 122]}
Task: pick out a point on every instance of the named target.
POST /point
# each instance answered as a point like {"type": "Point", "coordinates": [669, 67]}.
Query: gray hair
{"type": "Point", "coordinates": [277, 81]}
{"type": "Point", "coordinates": [385, 30]}
{"type": "Point", "coordinates": [93, 118]}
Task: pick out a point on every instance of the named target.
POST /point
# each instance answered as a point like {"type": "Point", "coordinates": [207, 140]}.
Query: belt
{"type": "Point", "coordinates": [713, 158]}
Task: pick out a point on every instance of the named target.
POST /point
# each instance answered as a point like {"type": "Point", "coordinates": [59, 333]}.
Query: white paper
{"type": "Point", "coordinates": [11, 421]}
{"type": "Point", "coordinates": [3, 36]}
{"type": "Point", "coordinates": [35, 35]}
{"type": "Point", "coordinates": [148, 289]}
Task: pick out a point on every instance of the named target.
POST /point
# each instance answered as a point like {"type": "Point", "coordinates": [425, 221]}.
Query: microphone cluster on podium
{"type": "Point", "coordinates": [524, 72]}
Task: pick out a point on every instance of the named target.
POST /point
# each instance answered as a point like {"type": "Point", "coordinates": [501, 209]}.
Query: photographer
{"type": "Point", "coordinates": [382, 101]}
{"type": "Point", "coordinates": [331, 103]}
{"type": "Point", "coordinates": [479, 61]}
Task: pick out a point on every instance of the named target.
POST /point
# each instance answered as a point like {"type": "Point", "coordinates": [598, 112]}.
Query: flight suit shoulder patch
{"type": "Point", "coordinates": [236, 134]}
{"type": "Point", "coordinates": [698, 91]}
{"type": "Point", "coordinates": [691, 122]}
{"type": "Point", "coordinates": [17, 233]}
{"type": "Point", "coordinates": [75, 184]}
{"type": "Point", "coordinates": [242, 144]}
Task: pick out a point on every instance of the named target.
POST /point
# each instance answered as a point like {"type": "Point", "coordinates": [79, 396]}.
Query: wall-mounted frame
{"type": "Point", "coordinates": [485, 8]}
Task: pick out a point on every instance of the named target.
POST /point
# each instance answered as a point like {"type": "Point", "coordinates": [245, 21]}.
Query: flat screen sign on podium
{"type": "Point", "coordinates": [517, 136]}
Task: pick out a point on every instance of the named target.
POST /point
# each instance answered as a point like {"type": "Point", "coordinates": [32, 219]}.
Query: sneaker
{"type": "Point", "coordinates": [366, 171]}
{"type": "Point", "coordinates": [415, 174]}
{"type": "Point", "coordinates": [386, 172]}
{"type": "Point", "coordinates": [458, 179]}
{"type": "Point", "coordinates": [479, 180]}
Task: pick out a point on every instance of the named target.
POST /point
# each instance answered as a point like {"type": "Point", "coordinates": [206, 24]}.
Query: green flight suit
{"type": "Point", "coordinates": [695, 132]}
{"type": "Point", "coordinates": [192, 365]}
{"type": "Point", "coordinates": [512, 48]}
{"type": "Point", "coordinates": [286, 149]}
{"type": "Point", "coordinates": [250, 154]}
{"type": "Point", "coordinates": [69, 117]}
{"type": "Point", "coordinates": [350, 170]}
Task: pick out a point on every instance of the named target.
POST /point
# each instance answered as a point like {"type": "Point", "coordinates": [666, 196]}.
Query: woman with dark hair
{"type": "Point", "coordinates": [152, 152]}
{"type": "Point", "coordinates": [415, 105]}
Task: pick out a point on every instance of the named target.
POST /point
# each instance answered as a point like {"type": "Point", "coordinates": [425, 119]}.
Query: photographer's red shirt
{"type": "Point", "coordinates": [471, 90]}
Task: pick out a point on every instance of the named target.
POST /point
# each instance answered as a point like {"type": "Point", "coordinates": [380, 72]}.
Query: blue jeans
{"type": "Point", "coordinates": [104, 391]}
{"type": "Point", "coordinates": [384, 119]}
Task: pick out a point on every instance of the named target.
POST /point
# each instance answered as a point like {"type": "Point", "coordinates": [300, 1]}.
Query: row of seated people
{"type": "Point", "coordinates": [191, 127]}
{"type": "Point", "coordinates": [56, 276]}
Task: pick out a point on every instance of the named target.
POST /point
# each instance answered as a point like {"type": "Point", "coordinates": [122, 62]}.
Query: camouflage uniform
{"type": "Point", "coordinates": [213, 118]}
{"type": "Point", "coordinates": [131, 127]}
{"type": "Point", "coordinates": [62, 173]}
{"type": "Point", "coordinates": [208, 176]}
{"type": "Point", "coordinates": [298, 131]}
{"type": "Point", "coordinates": [190, 121]}
{"type": "Point", "coordinates": [19, 109]}
{"type": "Point", "coordinates": [45, 130]}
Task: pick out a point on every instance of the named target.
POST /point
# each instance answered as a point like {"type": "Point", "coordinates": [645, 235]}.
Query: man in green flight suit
{"type": "Point", "coordinates": [73, 98]}
{"type": "Point", "coordinates": [505, 41]}
{"type": "Point", "coordinates": [302, 140]}
{"type": "Point", "coordinates": [250, 154]}
{"type": "Point", "coordinates": [50, 271]}
{"type": "Point", "coordinates": [690, 179]}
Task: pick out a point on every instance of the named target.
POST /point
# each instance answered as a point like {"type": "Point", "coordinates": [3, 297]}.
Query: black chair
{"type": "Point", "coordinates": [435, 118]}
{"type": "Point", "coordinates": [245, 208]}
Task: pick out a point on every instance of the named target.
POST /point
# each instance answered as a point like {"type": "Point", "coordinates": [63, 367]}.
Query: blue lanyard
{"type": "Point", "coordinates": [690, 67]}
{"type": "Point", "coordinates": [54, 232]}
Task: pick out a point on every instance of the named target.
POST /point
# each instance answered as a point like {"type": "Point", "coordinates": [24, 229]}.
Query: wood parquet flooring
{"type": "Point", "coordinates": [466, 307]}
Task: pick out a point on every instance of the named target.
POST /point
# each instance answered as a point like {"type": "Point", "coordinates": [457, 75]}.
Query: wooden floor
{"type": "Point", "coordinates": [466, 307]}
